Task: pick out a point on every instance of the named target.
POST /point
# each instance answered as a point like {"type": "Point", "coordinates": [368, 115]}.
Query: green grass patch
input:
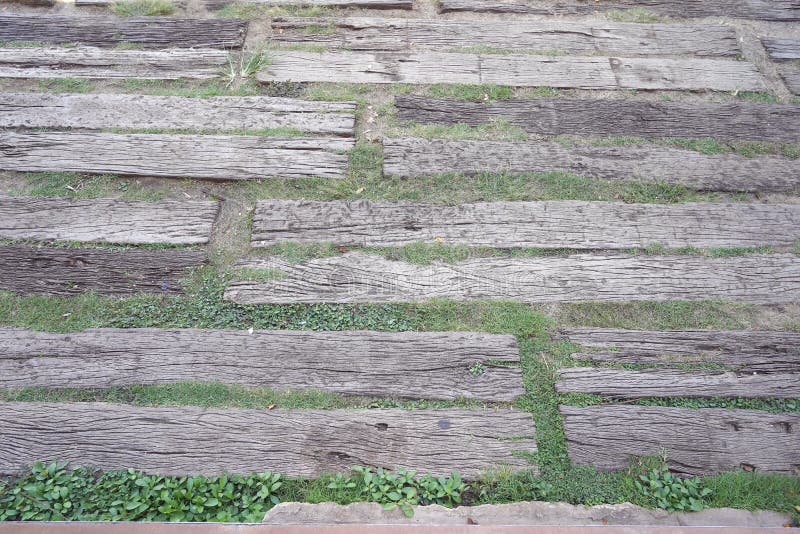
{"type": "Point", "coordinates": [66, 85]}
{"type": "Point", "coordinates": [498, 130]}
{"type": "Point", "coordinates": [634, 14]}
{"type": "Point", "coordinates": [474, 93]}
{"type": "Point", "coordinates": [139, 8]}
{"type": "Point", "coordinates": [187, 88]}
{"type": "Point", "coordinates": [73, 185]}
{"type": "Point", "coordinates": [708, 146]}
{"type": "Point", "coordinates": [246, 10]}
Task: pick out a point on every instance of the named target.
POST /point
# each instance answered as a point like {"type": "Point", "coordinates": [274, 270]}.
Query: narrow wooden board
{"type": "Point", "coordinates": [698, 442]}
{"type": "Point", "coordinates": [148, 32]}
{"type": "Point", "coordinates": [588, 72]}
{"type": "Point", "coordinates": [557, 116]}
{"type": "Point", "coordinates": [106, 3]}
{"type": "Point", "coordinates": [366, 33]}
{"type": "Point", "coordinates": [417, 365]}
{"type": "Point", "coordinates": [637, 384]}
{"type": "Point", "coordinates": [101, 63]}
{"type": "Point", "coordinates": [781, 49]}
{"type": "Point", "coordinates": [557, 224]}
{"type": "Point", "coordinates": [356, 4]}
{"type": "Point", "coordinates": [219, 114]}
{"type": "Point", "coordinates": [791, 77]}
{"type": "Point", "coordinates": [216, 157]}
{"type": "Point", "coordinates": [298, 443]}
{"type": "Point", "coordinates": [68, 271]}
{"type": "Point", "coordinates": [362, 277]}
{"type": "Point", "coordinates": [413, 157]}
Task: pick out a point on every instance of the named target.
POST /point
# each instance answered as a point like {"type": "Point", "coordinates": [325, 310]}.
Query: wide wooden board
{"type": "Point", "coordinates": [362, 277]}
{"type": "Point", "coordinates": [217, 157]}
{"type": "Point", "coordinates": [301, 443]}
{"type": "Point", "coordinates": [781, 49]}
{"type": "Point", "coordinates": [68, 271]}
{"type": "Point", "coordinates": [591, 117]}
{"type": "Point", "coordinates": [697, 442]}
{"type": "Point", "coordinates": [557, 224]}
{"type": "Point", "coordinates": [580, 72]}
{"type": "Point", "coordinates": [413, 157]}
{"type": "Point", "coordinates": [357, 4]}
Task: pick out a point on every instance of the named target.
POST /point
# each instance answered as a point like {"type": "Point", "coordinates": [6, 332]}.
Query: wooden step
{"type": "Point", "coordinates": [356, 4]}
{"type": "Point", "coordinates": [589, 117]}
{"type": "Point", "coordinates": [148, 32]}
{"type": "Point", "coordinates": [69, 271]}
{"type": "Point", "coordinates": [363, 33]}
{"type": "Point", "coordinates": [413, 157]}
{"type": "Point", "coordinates": [299, 443]}
{"type": "Point", "coordinates": [781, 49]}
{"type": "Point", "coordinates": [697, 442]}
{"type": "Point", "coordinates": [588, 72]}
{"type": "Point", "coordinates": [134, 112]}
{"type": "Point", "coordinates": [362, 277]}
{"type": "Point", "coordinates": [557, 224]}
{"type": "Point", "coordinates": [217, 157]}
{"type": "Point", "coordinates": [416, 365]}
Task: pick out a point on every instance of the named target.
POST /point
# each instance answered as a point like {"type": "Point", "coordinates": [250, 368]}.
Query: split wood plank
{"type": "Point", "coordinates": [697, 442]}
{"type": "Point", "coordinates": [637, 384]}
{"type": "Point", "coordinates": [371, 34]}
{"type": "Point", "coordinates": [223, 113]}
{"type": "Point", "coordinates": [149, 32]}
{"type": "Point", "coordinates": [594, 117]}
{"type": "Point", "coordinates": [101, 63]}
{"type": "Point", "coordinates": [556, 224]}
{"type": "Point", "coordinates": [297, 443]}
{"type": "Point", "coordinates": [791, 77]}
{"type": "Point", "coordinates": [416, 365]}
{"type": "Point", "coordinates": [69, 271]}
{"type": "Point", "coordinates": [217, 157]}
{"type": "Point", "coordinates": [363, 277]}
{"type": "Point", "coordinates": [587, 72]}
{"type": "Point", "coordinates": [106, 3]}
{"type": "Point", "coordinates": [107, 220]}
{"type": "Point", "coordinates": [781, 49]}
{"type": "Point", "coordinates": [413, 157]}
{"type": "Point", "coordinates": [357, 4]}
{"type": "Point", "coordinates": [744, 351]}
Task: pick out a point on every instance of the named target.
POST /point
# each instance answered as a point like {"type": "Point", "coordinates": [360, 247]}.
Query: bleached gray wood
{"type": "Point", "coordinates": [360, 4]}
{"type": "Point", "coordinates": [417, 365]}
{"type": "Point", "coordinates": [362, 277]}
{"type": "Point", "coordinates": [299, 443]}
{"type": "Point", "coordinates": [636, 384]}
{"type": "Point", "coordinates": [781, 49]}
{"type": "Point", "coordinates": [101, 63]}
{"type": "Point", "coordinates": [106, 3]}
{"type": "Point", "coordinates": [697, 442]}
{"type": "Point", "coordinates": [556, 116]}
{"type": "Point", "coordinates": [413, 157]}
{"type": "Point", "coordinates": [107, 220]}
{"type": "Point", "coordinates": [587, 72]}
{"type": "Point", "coordinates": [218, 157]}
{"type": "Point", "coordinates": [557, 224]}
{"type": "Point", "coordinates": [791, 77]}
{"type": "Point", "coordinates": [382, 34]}
{"type": "Point", "coordinates": [105, 111]}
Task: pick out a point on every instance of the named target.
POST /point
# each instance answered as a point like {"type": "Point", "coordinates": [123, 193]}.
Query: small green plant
{"type": "Point", "coordinates": [139, 8]}
{"type": "Point", "coordinates": [477, 369]}
{"type": "Point", "coordinates": [674, 494]}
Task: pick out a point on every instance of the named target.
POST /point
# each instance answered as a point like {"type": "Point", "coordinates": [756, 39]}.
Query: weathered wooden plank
{"type": "Point", "coordinates": [587, 72]}
{"type": "Point", "coordinates": [218, 157]}
{"type": "Point", "coordinates": [307, 443]}
{"type": "Point", "coordinates": [412, 157]}
{"type": "Point", "coordinates": [358, 4]}
{"type": "Point", "coordinates": [743, 351]}
{"type": "Point", "coordinates": [361, 277]}
{"type": "Point", "coordinates": [104, 111]}
{"type": "Point", "coordinates": [367, 33]}
{"type": "Point", "coordinates": [697, 442]}
{"type": "Point", "coordinates": [791, 77]}
{"type": "Point", "coordinates": [150, 32]}
{"type": "Point", "coordinates": [106, 3]}
{"type": "Point", "coordinates": [781, 49]}
{"type": "Point", "coordinates": [100, 63]}
{"type": "Point", "coordinates": [421, 365]}
{"type": "Point", "coordinates": [68, 271]}
{"type": "Point", "coordinates": [594, 117]}
{"type": "Point", "coordinates": [558, 224]}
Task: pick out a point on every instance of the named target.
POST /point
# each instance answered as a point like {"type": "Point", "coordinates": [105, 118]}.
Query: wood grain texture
{"type": "Point", "coordinates": [105, 3]}
{"type": "Point", "coordinates": [588, 72]}
{"type": "Point", "coordinates": [557, 116]}
{"type": "Point", "coordinates": [781, 49]}
{"type": "Point", "coordinates": [297, 443]}
{"type": "Point", "coordinates": [637, 384]}
{"type": "Point", "coordinates": [791, 77]}
{"type": "Point", "coordinates": [744, 351]}
{"type": "Point", "coordinates": [557, 224]}
{"type": "Point", "coordinates": [413, 157]}
{"type": "Point", "coordinates": [357, 4]}
{"type": "Point", "coordinates": [148, 32]}
{"type": "Point", "coordinates": [698, 442]}
{"type": "Point", "coordinates": [69, 271]}
{"type": "Point", "coordinates": [107, 220]}
{"type": "Point", "coordinates": [362, 277]}
{"type": "Point", "coordinates": [217, 157]}
{"type": "Point", "coordinates": [416, 365]}
{"type": "Point", "coordinates": [371, 34]}
{"type": "Point", "coordinates": [224, 113]}
{"type": "Point", "coordinates": [100, 63]}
